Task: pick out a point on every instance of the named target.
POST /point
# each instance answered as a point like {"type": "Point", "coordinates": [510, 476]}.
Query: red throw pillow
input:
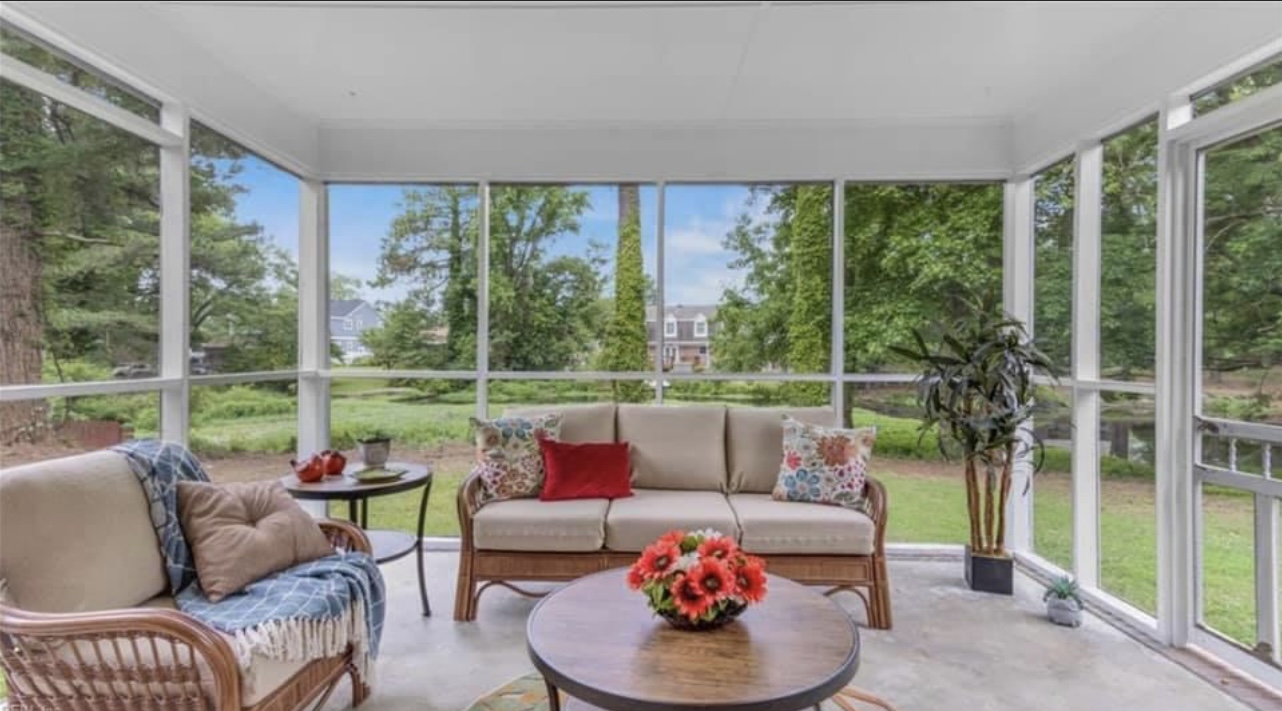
{"type": "Point", "coordinates": [590, 470]}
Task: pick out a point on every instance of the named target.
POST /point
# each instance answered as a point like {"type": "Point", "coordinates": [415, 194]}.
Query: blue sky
{"type": "Point", "coordinates": [698, 217]}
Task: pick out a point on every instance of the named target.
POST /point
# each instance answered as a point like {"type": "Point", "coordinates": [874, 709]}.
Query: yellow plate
{"type": "Point", "coordinates": [378, 474]}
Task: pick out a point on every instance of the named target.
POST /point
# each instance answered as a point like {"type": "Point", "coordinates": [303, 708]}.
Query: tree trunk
{"type": "Point", "coordinates": [20, 323]}
{"type": "Point", "coordinates": [990, 494]}
{"type": "Point", "coordinates": [1007, 464]}
{"type": "Point", "coordinates": [629, 201]}
{"type": "Point", "coordinates": [972, 503]}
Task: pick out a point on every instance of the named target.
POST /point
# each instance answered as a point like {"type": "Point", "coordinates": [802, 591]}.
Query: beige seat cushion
{"type": "Point", "coordinates": [576, 525]}
{"type": "Point", "coordinates": [77, 535]}
{"type": "Point", "coordinates": [770, 526]}
{"type": "Point", "coordinates": [754, 443]}
{"type": "Point", "coordinates": [266, 675]}
{"type": "Point", "coordinates": [635, 522]}
{"type": "Point", "coordinates": [242, 532]}
{"type": "Point", "coordinates": [580, 423]}
{"type": "Point", "coordinates": [675, 447]}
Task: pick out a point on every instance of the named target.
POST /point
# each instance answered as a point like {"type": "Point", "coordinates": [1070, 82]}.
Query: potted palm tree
{"type": "Point", "coordinates": [976, 391]}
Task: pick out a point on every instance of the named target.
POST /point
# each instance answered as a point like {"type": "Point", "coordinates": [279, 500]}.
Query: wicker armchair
{"type": "Point", "coordinates": [70, 653]}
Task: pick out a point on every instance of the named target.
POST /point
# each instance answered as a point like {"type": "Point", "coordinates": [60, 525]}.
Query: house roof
{"type": "Point", "coordinates": [342, 308]}
{"type": "Point", "coordinates": [683, 312]}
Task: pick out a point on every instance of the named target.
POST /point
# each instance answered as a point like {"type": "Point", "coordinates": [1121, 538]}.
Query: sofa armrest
{"type": "Point", "coordinates": [469, 502]}
{"type": "Point", "coordinates": [878, 509]}
{"type": "Point", "coordinates": [51, 659]}
{"type": "Point", "coordinates": [345, 535]}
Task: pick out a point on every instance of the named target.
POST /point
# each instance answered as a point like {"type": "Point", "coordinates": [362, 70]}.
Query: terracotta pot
{"type": "Point", "coordinates": [310, 470]}
{"type": "Point", "coordinates": [333, 462]}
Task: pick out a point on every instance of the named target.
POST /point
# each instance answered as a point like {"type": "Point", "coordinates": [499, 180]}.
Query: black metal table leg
{"type": "Point", "coordinates": [351, 511]}
{"type": "Point", "coordinates": [554, 696]}
{"type": "Point", "coordinates": [365, 514]}
{"type": "Point", "coordinates": [418, 549]}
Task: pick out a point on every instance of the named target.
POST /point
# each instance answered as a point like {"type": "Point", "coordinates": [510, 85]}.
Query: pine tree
{"type": "Point", "coordinates": [625, 344]}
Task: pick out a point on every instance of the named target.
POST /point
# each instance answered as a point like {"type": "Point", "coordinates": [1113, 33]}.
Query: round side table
{"type": "Point", "coordinates": [597, 641]}
{"type": "Point", "coordinates": [388, 545]}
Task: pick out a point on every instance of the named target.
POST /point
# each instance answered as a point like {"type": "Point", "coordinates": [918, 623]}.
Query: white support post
{"type": "Point", "coordinates": [483, 306]}
{"type": "Point", "coordinates": [313, 317]}
{"type": "Point", "coordinates": [313, 324]}
{"type": "Point", "coordinates": [839, 300]}
{"type": "Point", "coordinates": [1087, 226]}
{"type": "Point", "coordinates": [1177, 379]}
{"type": "Point", "coordinates": [1017, 297]}
{"type": "Point", "coordinates": [175, 285]}
{"type": "Point", "coordinates": [1266, 575]}
{"type": "Point", "coordinates": [658, 294]}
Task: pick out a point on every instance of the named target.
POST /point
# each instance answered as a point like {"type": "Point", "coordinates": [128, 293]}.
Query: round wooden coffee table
{"type": "Point", "coordinates": [597, 641]}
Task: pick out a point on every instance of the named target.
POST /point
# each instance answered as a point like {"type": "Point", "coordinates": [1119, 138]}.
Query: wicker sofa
{"type": "Point", "coordinates": [693, 467]}
{"type": "Point", "coordinates": [86, 620]}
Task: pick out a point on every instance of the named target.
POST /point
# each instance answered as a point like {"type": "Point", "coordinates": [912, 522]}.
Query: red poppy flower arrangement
{"type": "Point", "coordinates": [698, 580]}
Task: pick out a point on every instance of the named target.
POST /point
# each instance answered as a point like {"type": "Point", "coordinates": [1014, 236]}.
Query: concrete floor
{"type": "Point", "coordinates": [950, 649]}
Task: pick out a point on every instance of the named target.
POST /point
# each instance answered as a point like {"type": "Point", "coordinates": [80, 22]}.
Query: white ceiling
{"type": "Point", "coordinates": [557, 63]}
{"type": "Point", "coordinates": [867, 89]}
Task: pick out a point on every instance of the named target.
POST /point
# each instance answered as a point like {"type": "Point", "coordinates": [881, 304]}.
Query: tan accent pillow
{"type": "Point", "coordinates": [242, 532]}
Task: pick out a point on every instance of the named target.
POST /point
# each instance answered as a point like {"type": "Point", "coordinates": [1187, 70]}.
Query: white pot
{"type": "Point", "coordinates": [375, 454]}
{"type": "Point", "coordinates": [1064, 611]}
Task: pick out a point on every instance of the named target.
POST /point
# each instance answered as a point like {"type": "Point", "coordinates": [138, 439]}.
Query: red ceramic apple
{"type": "Point", "coordinates": [333, 462]}
{"type": "Point", "coordinates": [309, 470]}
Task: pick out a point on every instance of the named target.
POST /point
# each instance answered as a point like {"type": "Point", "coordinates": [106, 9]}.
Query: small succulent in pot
{"type": "Point", "coordinates": [375, 448]}
{"type": "Point", "coordinates": [1063, 602]}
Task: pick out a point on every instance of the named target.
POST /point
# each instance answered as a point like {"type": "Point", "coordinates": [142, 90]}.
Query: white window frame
{"type": "Point", "coordinates": [670, 326]}
{"type": "Point", "coordinates": [700, 326]}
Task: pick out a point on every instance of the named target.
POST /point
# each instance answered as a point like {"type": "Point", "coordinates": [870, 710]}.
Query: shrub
{"type": "Point", "coordinates": [238, 402]}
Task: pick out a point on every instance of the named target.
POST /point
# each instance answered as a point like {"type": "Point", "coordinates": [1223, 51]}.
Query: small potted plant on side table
{"type": "Point", "coordinates": [375, 448]}
{"type": "Point", "coordinates": [1063, 603]}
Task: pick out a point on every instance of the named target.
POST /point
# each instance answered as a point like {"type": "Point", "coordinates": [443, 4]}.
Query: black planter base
{"type": "Point", "coordinates": [989, 574]}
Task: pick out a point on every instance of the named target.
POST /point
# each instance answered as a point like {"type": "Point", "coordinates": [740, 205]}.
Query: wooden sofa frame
{"type": "Point", "coordinates": [178, 658]}
{"type": "Point", "coordinates": [865, 575]}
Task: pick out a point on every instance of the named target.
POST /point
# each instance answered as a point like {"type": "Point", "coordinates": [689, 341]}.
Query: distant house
{"type": "Point", "coordinates": [348, 319]}
{"type": "Point", "coordinates": [687, 336]}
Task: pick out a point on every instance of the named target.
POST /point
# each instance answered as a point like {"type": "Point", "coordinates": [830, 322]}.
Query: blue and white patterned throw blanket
{"type": "Point", "coordinates": [312, 610]}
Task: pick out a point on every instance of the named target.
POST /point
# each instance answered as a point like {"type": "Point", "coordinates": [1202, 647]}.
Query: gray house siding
{"type": "Point", "coordinates": [348, 320]}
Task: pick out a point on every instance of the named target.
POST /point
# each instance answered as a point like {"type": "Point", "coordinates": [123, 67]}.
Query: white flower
{"type": "Point", "coordinates": [708, 533]}
{"type": "Point", "coordinates": [687, 561]}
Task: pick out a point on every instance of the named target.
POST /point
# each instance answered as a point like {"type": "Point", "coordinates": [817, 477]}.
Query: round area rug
{"type": "Point", "coordinates": [528, 693]}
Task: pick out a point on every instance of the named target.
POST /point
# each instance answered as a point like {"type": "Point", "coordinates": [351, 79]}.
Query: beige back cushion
{"type": "Point", "coordinates": [754, 443]}
{"type": "Point", "coordinates": [75, 535]}
{"type": "Point", "coordinates": [579, 424]}
{"type": "Point", "coordinates": [675, 447]}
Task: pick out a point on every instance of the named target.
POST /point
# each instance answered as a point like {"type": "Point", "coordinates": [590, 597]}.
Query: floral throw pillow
{"type": "Point", "coordinates": [824, 465]}
{"type": "Point", "coordinates": [508, 461]}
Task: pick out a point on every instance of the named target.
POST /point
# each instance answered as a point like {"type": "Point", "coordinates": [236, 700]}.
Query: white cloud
{"type": "Point", "coordinates": [690, 284]}
{"type": "Point", "coordinates": [697, 237]}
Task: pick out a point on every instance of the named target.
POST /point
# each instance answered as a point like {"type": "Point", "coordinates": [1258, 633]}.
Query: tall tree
{"type": "Point", "coordinates": [810, 323]}
{"type": "Point", "coordinates": [625, 342]}
{"type": "Point", "coordinates": [344, 286]}
{"type": "Point", "coordinates": [545, 310]}
{"type": "Point", "coordinates": [431, 246]}
{"type": "Point", "coordinates": [752, 321]}
{"type": "Point", "coordinates": [79, 244]}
